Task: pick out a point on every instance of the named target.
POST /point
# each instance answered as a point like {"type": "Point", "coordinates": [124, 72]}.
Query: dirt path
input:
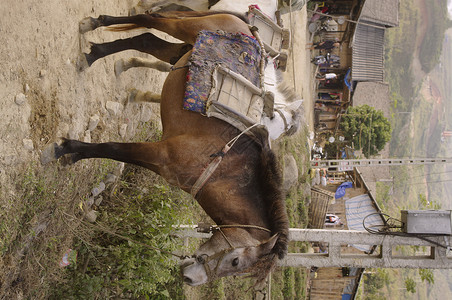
{"type": "Point", "coordinates": [41, 46]}
{"type": "Point", "coordinates": [300, 70]}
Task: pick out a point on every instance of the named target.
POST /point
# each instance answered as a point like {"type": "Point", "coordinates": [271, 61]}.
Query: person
{"type": "Point", "coordinates": [331, 219]}
{"type": "Point", "coordinates": [326, 76]}
{"type": "Point", "coordinates": [325, 45]}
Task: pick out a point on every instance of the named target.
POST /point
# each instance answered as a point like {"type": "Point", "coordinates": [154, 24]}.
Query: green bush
{"type": "Point", "coordinates": [111, 266]}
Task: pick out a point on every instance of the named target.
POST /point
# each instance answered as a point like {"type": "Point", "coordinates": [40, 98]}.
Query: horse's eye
{"type": "Point", "coordinates": [235, 262]}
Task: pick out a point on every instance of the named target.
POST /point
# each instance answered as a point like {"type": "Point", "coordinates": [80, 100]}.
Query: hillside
{"type": "Point", "coordinates": [418, 67]}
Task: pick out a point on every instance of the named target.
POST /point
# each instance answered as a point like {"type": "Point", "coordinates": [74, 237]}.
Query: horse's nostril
{"type": "Point", "coordinates": [187, 280]}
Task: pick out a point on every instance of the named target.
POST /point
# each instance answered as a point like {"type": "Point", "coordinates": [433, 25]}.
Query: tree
{"type": "Point", "coordinates": [367, 128]}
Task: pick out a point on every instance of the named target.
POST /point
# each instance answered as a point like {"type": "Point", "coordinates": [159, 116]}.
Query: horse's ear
{"type": "Point", "coordinates": [295, 105]}
{"type": "Point", "coordinates": [267, 246]}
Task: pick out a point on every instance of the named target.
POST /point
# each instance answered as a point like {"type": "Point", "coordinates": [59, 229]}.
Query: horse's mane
{"type": "Point", "coordinates": [270, 180]}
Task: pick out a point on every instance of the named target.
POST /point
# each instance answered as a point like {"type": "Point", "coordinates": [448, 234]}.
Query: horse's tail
{"type": "Point", "coordinates": [178, 15]}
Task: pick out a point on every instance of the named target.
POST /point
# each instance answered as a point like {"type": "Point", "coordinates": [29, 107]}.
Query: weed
{"type": "Point", "coordinates": [114, 267]}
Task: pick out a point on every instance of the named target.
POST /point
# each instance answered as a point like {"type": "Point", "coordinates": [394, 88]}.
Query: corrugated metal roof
{"type": "Point", "coordinates": [368, 59]}
{"type": "Point", "coordinates": [385, 12]}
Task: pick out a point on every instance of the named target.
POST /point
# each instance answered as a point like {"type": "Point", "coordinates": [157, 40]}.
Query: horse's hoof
{"type": "Point", "coordinates": [48, 154]}
{"type": "Point", "coordinates": [87, 24]}
{"type": "Point", "coordinates": [119, 67]}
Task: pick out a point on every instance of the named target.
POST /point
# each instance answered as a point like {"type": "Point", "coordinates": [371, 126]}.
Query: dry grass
{"type": "Point", "coordinates": [40, 216]}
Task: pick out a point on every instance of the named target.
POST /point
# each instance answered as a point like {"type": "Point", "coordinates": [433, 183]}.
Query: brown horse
{"type": "Point", "coordinates": [243, 195]}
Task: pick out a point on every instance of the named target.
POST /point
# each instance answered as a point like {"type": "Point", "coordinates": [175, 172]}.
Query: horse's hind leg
{"type": "Point", "coordinates": [139, 96]}
{"type": "Point", "coordinates": [147, 43]}
{"type": "Point", "coordinates": [181, 25]}
{"type": "Point", "coordinates": [123, 65]}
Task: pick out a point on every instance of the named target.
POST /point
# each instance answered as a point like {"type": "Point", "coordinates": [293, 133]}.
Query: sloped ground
{"type": "Point", "coordinates": [45, 96]}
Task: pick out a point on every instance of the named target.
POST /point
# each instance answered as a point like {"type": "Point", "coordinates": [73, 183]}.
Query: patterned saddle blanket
{"type": "Point", "coordinates": [238, 52]}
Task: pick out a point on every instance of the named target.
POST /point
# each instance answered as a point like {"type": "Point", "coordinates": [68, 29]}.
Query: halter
{"type": "Point", "coordinates": [204, 259]}
{"type": "Point", "coordinates": [286, 125]}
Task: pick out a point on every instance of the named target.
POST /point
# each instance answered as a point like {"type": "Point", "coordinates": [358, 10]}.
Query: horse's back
{"type": "Point", "coordinates": [175, 119]}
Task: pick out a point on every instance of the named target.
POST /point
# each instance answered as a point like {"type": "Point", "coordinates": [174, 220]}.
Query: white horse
{"type": "Point", "coordinates": [288, 110]}
{"type": "Point", "coordinates": [269, 7]}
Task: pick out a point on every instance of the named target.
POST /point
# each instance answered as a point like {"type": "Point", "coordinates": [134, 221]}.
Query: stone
{"type": "Point", "coordinates": [91, 216]}
{"type": "Point", "coordinates": [98, 200]}
{"type": "Point", "coordinates": [87, 137]}
{"type": "Point", "coordinates": [119, 169]}
{"type": "Point", "coordinates": [98, 189]}
{"type": "Point", "coordinates": [63, 129]}
{"type": "Point", "coordinates": [48, 154]}
{"type": "Point", "coordinates": [9, 160]}
{"type": "Point", "coordinates": [42, 73]}
{"type": "Point", "coordinates": [113, 107]}
{"type": "Point", "coordinates": [93, 122]}
{"type": "Point", "coordinates": [146, 113]}
{"type": "Point", "coordinates": [123, 130]}
{"type": "Point", "coordinates": [110, 178]}
{"type": "Point", "coordinates": [90, 202]}
{"type": "Point", "coordinates": [20, 99]}
{"type": "Point", "coordinates": [290, 172]}
{"type": "Point", "coordinates": [28, 144]}
{"type": "Point", "coordinates": [72, 134]}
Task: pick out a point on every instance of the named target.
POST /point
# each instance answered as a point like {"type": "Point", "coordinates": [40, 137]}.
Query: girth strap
{"type": "Point", "coordinates": [208, 172]}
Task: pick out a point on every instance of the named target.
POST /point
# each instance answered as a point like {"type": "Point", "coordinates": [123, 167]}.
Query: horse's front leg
{"type": "Point", "coordinates": [168, 158]}
{"type": "Point", "coordinates": [147, 43]}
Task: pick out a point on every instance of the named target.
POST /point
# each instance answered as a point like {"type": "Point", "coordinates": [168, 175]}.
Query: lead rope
{"type": "Point", "coordinates": [255, 31]}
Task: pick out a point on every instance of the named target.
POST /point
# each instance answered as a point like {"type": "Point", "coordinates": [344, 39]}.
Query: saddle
{"type": "Point", "coordinates": [223, 79]}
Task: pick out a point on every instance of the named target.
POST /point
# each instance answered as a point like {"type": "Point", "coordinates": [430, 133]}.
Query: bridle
{"type": "Point", "coordinates": [283, 117]}
{"type": "Point", "coordinates": [204, 259]}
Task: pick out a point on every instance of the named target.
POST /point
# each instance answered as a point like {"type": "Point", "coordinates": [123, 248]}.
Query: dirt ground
{"type": "Point", "coordinates": [44, 95]}
{"type": "Point", "coordinates": [300, 71]}
{"type": "Point", "coordinates": [41, 47]}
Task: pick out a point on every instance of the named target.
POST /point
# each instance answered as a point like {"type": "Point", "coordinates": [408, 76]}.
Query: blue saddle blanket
{"type": "Point", "coordinates": [236, 51]}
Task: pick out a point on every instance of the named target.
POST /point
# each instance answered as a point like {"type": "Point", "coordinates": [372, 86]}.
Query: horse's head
{"type": "Point", "coordinates": [286, 120]}
{"type": "Point", "coordinates": [288, 107]}
{"type": "Point", "coordinates": [228, 252]}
